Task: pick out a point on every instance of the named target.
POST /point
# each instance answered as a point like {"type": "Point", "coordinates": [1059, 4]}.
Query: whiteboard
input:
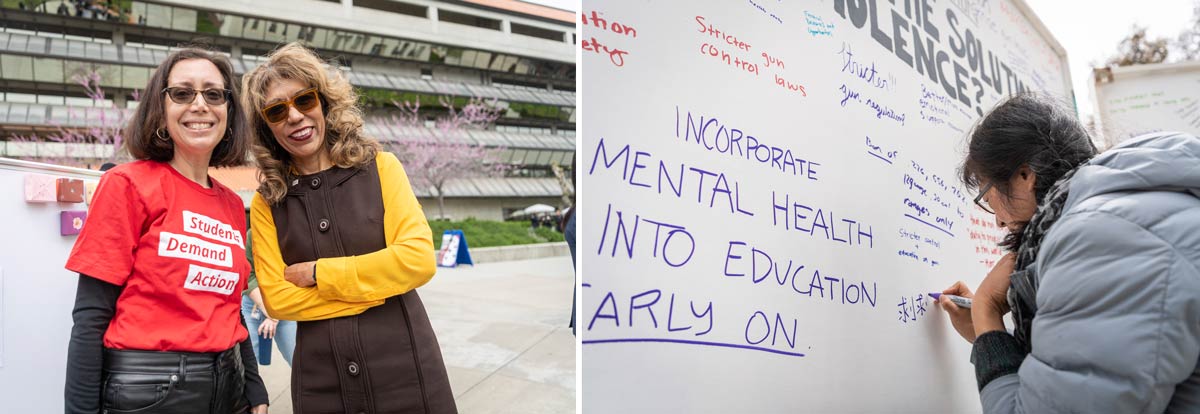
{"type": "Point", "coordinates": [1140, 99]}
{"type": "Point", "coordinates": [771, 192]}
{"type": "Point", "coordinates": [38, 293]}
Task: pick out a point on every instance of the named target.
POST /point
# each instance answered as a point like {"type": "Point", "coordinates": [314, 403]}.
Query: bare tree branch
{"type": "Point", "coordinates": [1188, 42]}
{"type": "Point", "coordinates": [100, 139]}
{"type": "Point", "coordinates": [1137, 49]}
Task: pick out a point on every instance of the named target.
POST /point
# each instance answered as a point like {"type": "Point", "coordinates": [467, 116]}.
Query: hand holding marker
{"type": "Point", "coordinates": [958, 300]}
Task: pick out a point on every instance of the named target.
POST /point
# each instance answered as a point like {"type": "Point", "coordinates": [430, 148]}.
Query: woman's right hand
{"type": "Point", "coordinates": [959, 317]}
{"type": "Point", "coordinates": [267, 327]}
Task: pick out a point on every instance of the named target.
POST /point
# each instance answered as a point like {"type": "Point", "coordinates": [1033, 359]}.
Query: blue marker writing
{"type": "Point", "coordinates": [958, 300]}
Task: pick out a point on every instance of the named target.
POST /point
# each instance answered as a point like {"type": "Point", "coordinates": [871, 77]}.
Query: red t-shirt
{"type": "Point", "coordinates": [179, 251]}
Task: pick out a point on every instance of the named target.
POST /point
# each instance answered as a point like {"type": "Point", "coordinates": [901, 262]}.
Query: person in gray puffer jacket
{"type": "Point", "coordinates": [1104, 281]}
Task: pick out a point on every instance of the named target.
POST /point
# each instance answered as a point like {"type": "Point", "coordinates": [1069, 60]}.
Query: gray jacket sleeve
{"type": "Point", "coordinates": [1117, 326]}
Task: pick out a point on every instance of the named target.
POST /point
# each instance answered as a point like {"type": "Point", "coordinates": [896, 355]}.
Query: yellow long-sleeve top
{"type": "Point", "coordinates": [350, 285]}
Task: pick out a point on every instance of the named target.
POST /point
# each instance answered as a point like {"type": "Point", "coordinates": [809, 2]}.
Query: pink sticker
{"type": "Point", "coordinates": [40, 189]}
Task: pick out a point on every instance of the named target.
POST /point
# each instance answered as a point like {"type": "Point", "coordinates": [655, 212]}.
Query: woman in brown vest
{"type": "Point", "coordinates": [340, 245]}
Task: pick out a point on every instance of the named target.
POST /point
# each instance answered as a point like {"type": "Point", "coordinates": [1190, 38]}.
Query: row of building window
{"type": "Point", "coordinates": [37, 44]}
{"type": "Point", "coordinates": [29, 98]}
{"type": "Point", "coordinates": [52, 70]}
{"type": "Point", "coordinates": [524, 157]}
{"type": "Point", "coordinates": [61, 71]}
{"type": "Point", "coordinates": [416, 10]}
{"type": "Point", "coordinates": [18, 109]}
{"type": "Point", "coordinates": [270, 30]}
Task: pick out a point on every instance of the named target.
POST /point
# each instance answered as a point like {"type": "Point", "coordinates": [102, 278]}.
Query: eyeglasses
{"type": "Point", "coordinates": [979, 201]}
{"type": "Point", "coordinates": [185, 96]}
{"type": "Point", "coordinates": [304, 101]}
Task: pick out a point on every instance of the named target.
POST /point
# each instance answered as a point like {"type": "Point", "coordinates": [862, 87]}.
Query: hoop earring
{"type": "Point", "coordinates": [162, 135]}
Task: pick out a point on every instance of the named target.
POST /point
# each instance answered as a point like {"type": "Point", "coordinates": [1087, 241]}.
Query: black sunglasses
{"type": "Point", "coordinates": [185, 96]}
{"type": "Point", "coordinates": [979, 201]}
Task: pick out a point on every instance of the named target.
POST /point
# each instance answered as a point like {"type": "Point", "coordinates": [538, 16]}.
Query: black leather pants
{"type": "Point", "coordinates": [174, 382]}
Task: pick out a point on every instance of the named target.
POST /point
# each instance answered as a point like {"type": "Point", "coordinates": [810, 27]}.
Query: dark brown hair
{"type": "Point", "coordinates": [1027, 129]}
{"type": "Point", "coordinates": [141, 132]}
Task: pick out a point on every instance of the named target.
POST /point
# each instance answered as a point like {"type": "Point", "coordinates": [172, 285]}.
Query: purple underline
{"type": "Point", "coordinates": [929, 224]}
{"type": "Point", "coordinates": [684, 341]}
{"type": "Point", "coordinates": [878, 156]}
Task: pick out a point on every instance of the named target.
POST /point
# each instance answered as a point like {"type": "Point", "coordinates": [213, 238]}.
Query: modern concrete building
{"type": "Point", "coordinates": [519, 54]}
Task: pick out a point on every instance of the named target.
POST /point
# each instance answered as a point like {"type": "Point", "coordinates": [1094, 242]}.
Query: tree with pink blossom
{"type": "Point", "coordinates": [100, 140]}
{"type": "Point", "coordinates": [433, 158]}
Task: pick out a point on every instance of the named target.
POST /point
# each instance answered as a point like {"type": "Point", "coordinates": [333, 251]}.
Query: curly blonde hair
{"type": "Point", "coordinates": [345, 138]}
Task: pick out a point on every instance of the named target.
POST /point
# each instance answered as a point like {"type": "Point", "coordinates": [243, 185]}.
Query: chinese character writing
{"type": "Point", "coordinates": [903, 311]}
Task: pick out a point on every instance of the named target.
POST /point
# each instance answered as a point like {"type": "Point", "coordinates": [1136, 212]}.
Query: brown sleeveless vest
{"type": "Point", "coordinates": [385, 360]}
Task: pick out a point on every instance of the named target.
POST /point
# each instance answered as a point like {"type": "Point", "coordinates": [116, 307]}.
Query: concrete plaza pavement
{"type": "Point", "coordinates": [503, 331]}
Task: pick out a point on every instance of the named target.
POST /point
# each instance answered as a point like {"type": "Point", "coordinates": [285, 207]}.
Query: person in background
{"type": "Point", "coordinates": [1104, 279]}
{"type": "Point", "coordinates": [568, 231]}
{"type": "Point", "coordinates": [340, 245]}
{"type": "Point", "coordinates": [259, 322]}
{"type": "Point", "coordinates": [161, 261]}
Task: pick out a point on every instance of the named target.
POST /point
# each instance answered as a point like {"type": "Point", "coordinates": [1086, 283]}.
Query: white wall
{"type": "Point", "coordinates": [36, 292]}
{"type": "Point", "coordinates": [1140, 99]}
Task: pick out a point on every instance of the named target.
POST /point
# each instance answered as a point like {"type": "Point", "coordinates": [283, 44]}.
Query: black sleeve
{"type": "Point", "coordinates": [255, 391]}
{"type": "Point", "coordinates": [995, 354]}
{"type": "Point", "coordinates": [95, 304]}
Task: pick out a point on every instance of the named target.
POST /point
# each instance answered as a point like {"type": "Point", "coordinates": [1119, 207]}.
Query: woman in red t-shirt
{"type": "Point", "coordinates": [162, 259]}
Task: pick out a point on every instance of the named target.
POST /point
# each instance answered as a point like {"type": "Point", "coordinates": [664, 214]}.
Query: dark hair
{"type": "Point", "coordinates": [141, 132]}
{"type": "Point", "coordinates": [1027, 129]}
